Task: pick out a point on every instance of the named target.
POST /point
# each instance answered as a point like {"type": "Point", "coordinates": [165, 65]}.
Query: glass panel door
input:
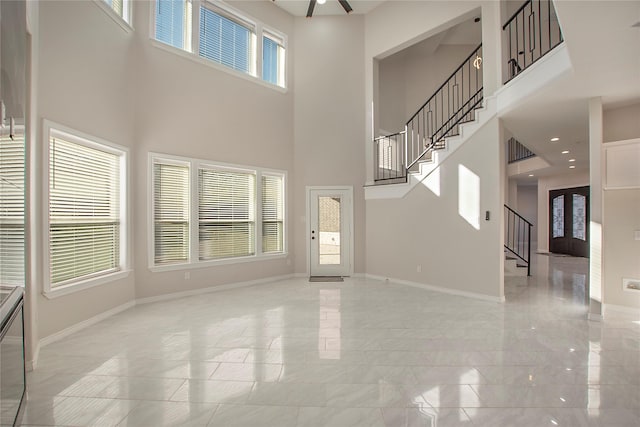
{"type": "Point", "coordinates": [329, 232]}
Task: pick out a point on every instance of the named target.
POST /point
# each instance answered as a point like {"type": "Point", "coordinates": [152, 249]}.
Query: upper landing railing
{"type": "Point", "coordinates": [531, 32]}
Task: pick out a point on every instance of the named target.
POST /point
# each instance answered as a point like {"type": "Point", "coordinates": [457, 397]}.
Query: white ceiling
{"type": "Point", "coordinates": [331, 7]}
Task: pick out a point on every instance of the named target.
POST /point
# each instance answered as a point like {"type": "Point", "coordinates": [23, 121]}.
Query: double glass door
{"type": "Point", "coordinates": [569, 221]}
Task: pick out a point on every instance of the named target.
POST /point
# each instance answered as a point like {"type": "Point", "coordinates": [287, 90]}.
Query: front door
{"type": "Point", "coordinates": [569, 219]}
{"type": "Point", "coordinates": [330, 217]}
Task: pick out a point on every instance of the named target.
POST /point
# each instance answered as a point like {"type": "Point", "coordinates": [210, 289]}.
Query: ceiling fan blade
{"type": "Point", "coordinates": [312, 5]}
{"type": "Point", "coordinates": [345, 5]}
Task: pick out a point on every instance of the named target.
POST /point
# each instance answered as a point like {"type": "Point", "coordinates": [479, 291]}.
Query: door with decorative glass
{"type": "Point", "coordinates": [330, 225]}
{"type": "Point", "coordinates": [569, 221]}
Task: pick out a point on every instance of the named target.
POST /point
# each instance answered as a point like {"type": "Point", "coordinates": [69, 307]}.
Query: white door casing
{"type": "Point", "coordinates": [329, 231]}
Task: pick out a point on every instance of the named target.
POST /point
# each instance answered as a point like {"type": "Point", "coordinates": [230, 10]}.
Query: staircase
{"type": "Point", "coordinates": [440, 118]}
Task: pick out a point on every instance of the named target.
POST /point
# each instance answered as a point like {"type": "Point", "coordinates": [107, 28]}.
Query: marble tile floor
{"type": "Point", "coordinates": [358, 353]}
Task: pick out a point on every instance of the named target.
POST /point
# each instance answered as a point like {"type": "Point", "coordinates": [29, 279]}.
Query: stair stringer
{"type": "Point", "coordinates": [397, 191]}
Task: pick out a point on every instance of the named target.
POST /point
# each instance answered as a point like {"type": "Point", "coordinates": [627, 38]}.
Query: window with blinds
{"type": "Point", "coordinates": [225, 41]}
{"type": "Point", "coordinates": [12, 170]}
{"type": "Point", "coordinates": [171, 213]}
{"type": "Point", "coordinates": [218, 33]}
{"type": "Point", "coordinates": [173, 23]}
{"type": "Point", "coordinates": [240, 212]}
{"type": "Point", "coordinates": [226, 214]}
{"type": "Point", "coordinates": [85, 212]}
{"type": "Point", "coordinates": [272, 213]}
{"type": "Point", "coordinates": [273, 59]}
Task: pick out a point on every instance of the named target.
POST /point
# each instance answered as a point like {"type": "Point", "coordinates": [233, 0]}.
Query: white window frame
{"type": "Point", "coordinates": [194, 166]}
{"type": "Point", "coordinates": [281, 39]}
{"type": "Point", "coordinates": [192, 45]}
{"type": "Point", "coordinates": [82, 138]}
{"type": "Point", "coordinates": [123, 21]}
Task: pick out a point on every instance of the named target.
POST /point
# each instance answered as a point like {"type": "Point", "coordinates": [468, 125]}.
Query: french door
{"type": "Point", "coordinates": [569, 221]}
{"type": "Point", "coordinates": [330, 213]}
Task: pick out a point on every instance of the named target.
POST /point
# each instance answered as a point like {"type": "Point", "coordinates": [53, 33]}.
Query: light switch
{"type": "Point", "coordinates": [637, 234]}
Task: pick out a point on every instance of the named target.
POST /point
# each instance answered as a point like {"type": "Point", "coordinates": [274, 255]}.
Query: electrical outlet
{"type": "Point", "coordinates": [419, 269]}
{"type": "Point", "coordinates": [187, 275]}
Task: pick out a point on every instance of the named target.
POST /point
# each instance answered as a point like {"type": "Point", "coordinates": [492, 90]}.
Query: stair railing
{"type": "Point", "coordinates": [453, 103]}
{"type": "Point", "coordinates": [531, 32]}
{"type": "Point", "coordinates": [389, 158]}
{"type": "Point", "coordinates": [516, 151]}
{"type": "Point", "coordinates": [517, 237]}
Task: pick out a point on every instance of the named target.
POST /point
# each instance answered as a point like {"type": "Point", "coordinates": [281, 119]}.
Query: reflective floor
{"type": "Point", "coordinates": [359, 353]}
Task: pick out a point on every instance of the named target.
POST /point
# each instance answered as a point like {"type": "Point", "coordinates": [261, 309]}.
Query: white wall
{"type": "Point", "coordinates": [84, 82]}
{"type": "Point", "coordinates": [116, 85]}
{"type": "Point", "coordinates": [621, 123]}
{"type": "Point", "coordinates": [328, 119]}
{"type": "Point", "coordinates": [546, 184]}
{"type": "Point", "coordinates": [188, 108]}
{"type": "Point", "coordinates": [427, 229]}
{"type": "Point", "coordinates": [621, 216]}
{"type": "Point", "coordinates": [621, 252]}
{"type": "Point", "coordinates": [407, 79]}
{"type": "Point", "coordinates": [527, 206]}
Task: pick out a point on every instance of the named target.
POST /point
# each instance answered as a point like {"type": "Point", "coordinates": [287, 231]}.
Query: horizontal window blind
{"type": "Point", "coordinates": [226, 210]}
{"type": "Point", "coordinates": [12, 170]}
{"type": "Point", "coordinates": [272, 52]}
{"type": "Point", "coordinates": [172, 22]}
{"type": "Point", "coordinates": [225, 41]}
{"type": "Point", "coordinates": [171, 213]}
{"type": "Point", "coordinates": [272, 213]}
{"type": "Point", "coordinates": [84, 210]}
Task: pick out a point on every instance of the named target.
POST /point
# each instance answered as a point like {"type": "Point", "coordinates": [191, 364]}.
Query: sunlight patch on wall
{"type": "Point", "coordinates": [469, 196]}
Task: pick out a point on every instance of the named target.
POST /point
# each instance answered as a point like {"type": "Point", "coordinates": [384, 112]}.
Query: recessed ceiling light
{"type": "Point", "coordinates": [572, 167]}
{"type": "Point", "coordinates": [530, 174]}
{"type": "Point", "coordinates": [572, 160]}
{"type": "Point", "coordinates": [565, 152]}
{"type": "Point", "coordinates": [555, 139]}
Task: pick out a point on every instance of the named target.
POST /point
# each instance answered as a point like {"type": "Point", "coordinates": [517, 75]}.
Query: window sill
{"type": "Point", "coordinates": [85, 284]}
{"type": "Point", "coordinates": [114, 16]}
{"type": "Point", "coordinates": [195, 58]}
{"type": "Point", "coordinates": [215, 263]}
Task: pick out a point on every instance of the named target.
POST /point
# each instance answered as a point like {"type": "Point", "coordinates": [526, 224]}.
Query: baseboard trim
{"type": "Point", "coordinates": [622, 309]}
{"type": "Point", "coordinates": [83, 324]}
{"type": "Point", "coordinates": [438, 289]}
{"type": "Point", "coordinates": [210, 289]}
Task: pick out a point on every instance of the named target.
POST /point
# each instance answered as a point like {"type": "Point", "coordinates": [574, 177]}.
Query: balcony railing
{"type": "Point", "coordinates": [390, 158]}
{"type": "Point", "coordinates": [531, 32]}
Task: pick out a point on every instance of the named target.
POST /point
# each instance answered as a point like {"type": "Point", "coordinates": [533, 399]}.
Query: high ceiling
{"type": "Point", "coordinates": [331, 7]}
